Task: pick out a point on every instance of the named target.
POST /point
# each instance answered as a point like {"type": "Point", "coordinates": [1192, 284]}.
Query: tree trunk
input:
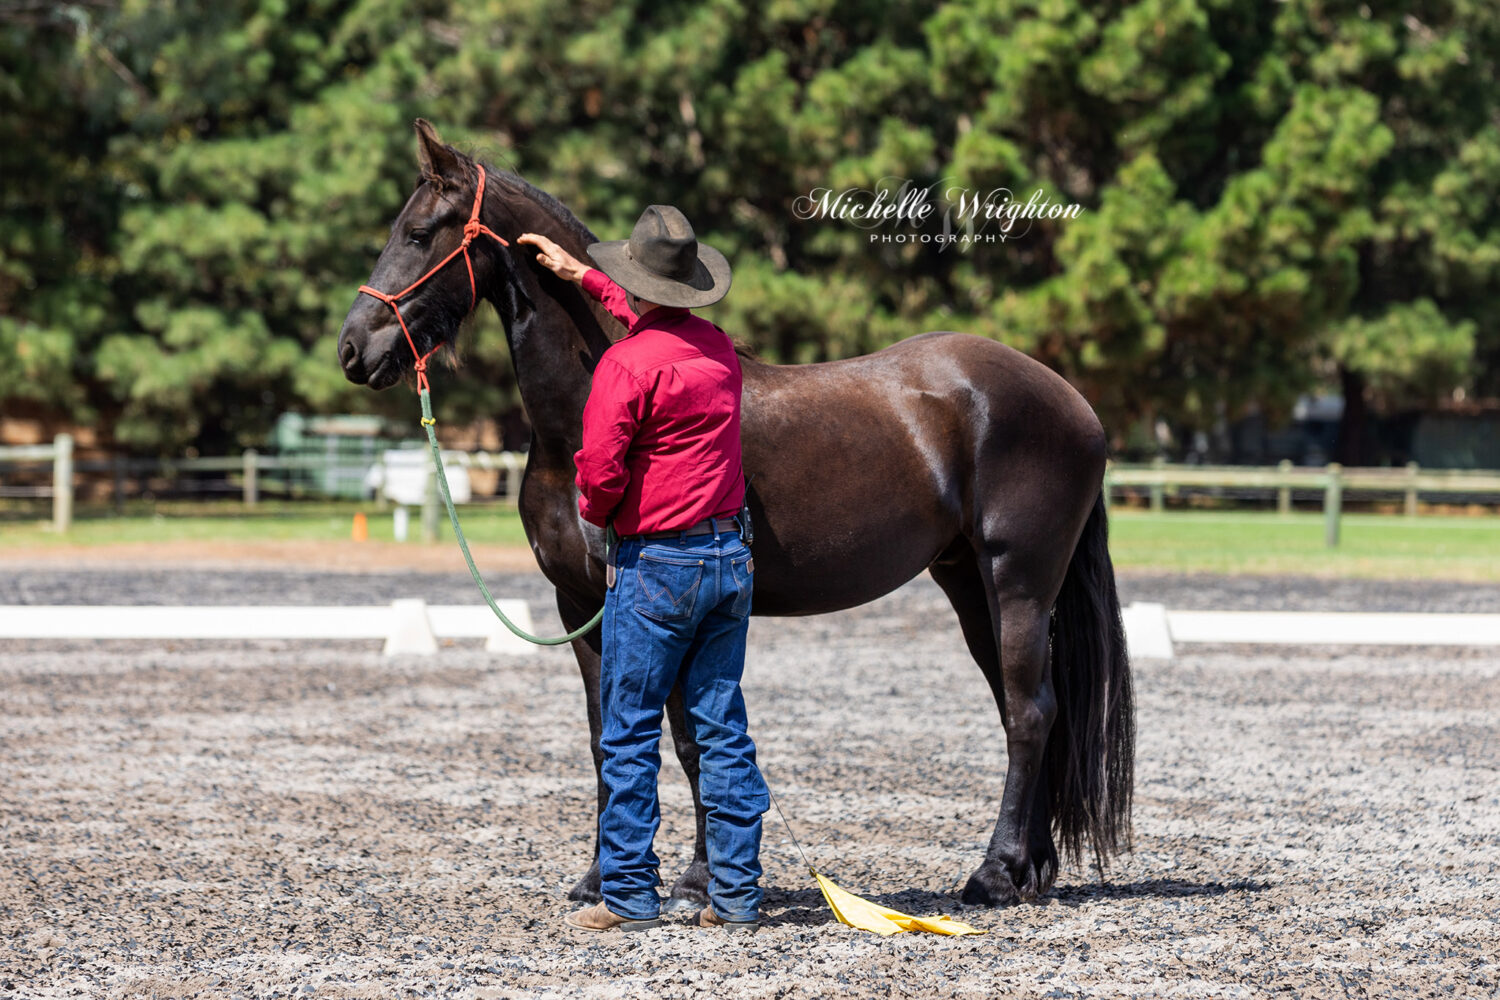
{"type": "Point", "coordinates": [1353, 448]}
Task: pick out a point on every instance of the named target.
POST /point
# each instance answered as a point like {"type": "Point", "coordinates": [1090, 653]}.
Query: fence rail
{"type": "Point", "coordinates": [250, 474]}
{"type": "Point", "coordinates": [1410, 482]}
{"type": "Point", "coordinates": [251, 464]}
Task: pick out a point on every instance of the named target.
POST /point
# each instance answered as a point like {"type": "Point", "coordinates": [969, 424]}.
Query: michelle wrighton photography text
{"type": "Point", "coordinates": [906, 212]}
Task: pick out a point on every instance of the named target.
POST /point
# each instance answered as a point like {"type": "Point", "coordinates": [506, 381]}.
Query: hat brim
{"type": "Point", "coordinates": [709, 283]}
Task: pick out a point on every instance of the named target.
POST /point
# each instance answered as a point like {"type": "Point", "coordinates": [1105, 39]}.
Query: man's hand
{"type": "Point", "coordinates": [554, 258]}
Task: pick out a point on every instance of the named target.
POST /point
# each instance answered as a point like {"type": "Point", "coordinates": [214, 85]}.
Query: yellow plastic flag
{"type": "Point", "coordinates": [868, 916]}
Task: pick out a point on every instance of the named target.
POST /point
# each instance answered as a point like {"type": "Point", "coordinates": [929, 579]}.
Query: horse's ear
{"type": "Point", "coordinates": [439, 161]}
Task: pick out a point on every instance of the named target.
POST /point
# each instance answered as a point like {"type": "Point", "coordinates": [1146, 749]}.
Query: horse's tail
{"type": "Point", "coordinates": [1090, 758]}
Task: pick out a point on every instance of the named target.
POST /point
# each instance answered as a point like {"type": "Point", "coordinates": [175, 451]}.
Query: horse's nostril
{"type": "Point", "coordinates": [348, 355]}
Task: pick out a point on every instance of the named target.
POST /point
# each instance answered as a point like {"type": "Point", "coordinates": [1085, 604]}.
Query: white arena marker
{"type": "Point", "coordinates": [1147, 634]}
{"type": "Point", "coordinates": [410, 630]}
{"type": "Point", "coordinates": [477, 621]}
{"type": "Point", "coordinates": [502, 639]}
{"type": "Point", "coordinates": [56, 621]}
{"type": "Point", "coordinates": [411, 626]}
{"type": "Point", "coordinates": [1336, 628]}
{"type": "Point", "coordinates": [385, 621]}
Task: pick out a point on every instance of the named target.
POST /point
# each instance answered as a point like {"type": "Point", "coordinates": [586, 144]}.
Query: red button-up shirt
{"type": "Point", "coordinates": [661, 428]}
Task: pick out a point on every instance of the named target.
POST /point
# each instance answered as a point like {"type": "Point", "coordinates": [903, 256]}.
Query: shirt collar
{"type": "Point", "coordinates": [661, 314]}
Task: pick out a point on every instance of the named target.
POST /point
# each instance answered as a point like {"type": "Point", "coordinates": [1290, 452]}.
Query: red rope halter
{"type": "Point", "coordinates": [472, 228]}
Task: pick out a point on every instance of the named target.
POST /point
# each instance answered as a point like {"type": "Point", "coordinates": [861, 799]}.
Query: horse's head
{"type": "Point", "coordinates": [373, 350]}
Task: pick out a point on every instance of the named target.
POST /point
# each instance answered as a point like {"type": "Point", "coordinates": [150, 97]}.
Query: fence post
{"type": "Point", "coordinates": [382, 502]}
{"type": "Point", "coordinates": [252, 477]}
{"type": "Point", "coordinates": [1333, 501]}
{"type": "Point", "coordinates": [515, 470]}
{"type": "Point", "coordinates": [62, 483]}
{"type": "Point", "coordinates": [430, 504]}
{"type": "Point", "coordinates": [1158, 491]}
{"type": "Point", "coordinates": [1284, 493]}
{"type": "Point", "coordinates": [1104, 488]}
{"type": "Point", "coordinates": [1412, 468]}
{"type": "Point", "coordinates": [117, 468]}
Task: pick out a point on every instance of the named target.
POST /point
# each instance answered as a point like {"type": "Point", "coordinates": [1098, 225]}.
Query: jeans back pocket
{"type": "Point", "coordinates": [667, 586]}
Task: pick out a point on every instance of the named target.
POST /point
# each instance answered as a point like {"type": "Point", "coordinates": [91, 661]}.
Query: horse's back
{"type": "Point", "coordinates": [989, 386]}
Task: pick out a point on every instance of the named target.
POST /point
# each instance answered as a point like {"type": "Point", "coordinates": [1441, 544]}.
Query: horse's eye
{"type": "Point", "coordinates": [417, 237]}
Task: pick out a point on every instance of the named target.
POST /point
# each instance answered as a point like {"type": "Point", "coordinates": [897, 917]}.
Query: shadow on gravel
{"type": "Point", "coordinates": [1161, 888]}
{"type": "Point", "coordinates": [806, 907]}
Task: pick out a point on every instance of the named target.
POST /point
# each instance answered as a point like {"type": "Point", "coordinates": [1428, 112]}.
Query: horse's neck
{"type": "Point", "coordinates": [554, 351]}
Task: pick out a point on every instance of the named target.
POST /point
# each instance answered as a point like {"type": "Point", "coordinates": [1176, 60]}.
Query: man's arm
{"type": "Point", "coordinates": [611, 417]}
{"type": "Point", "coordinates": [602, 287]}
{"type": "Point", "coordinates": [594, 281]}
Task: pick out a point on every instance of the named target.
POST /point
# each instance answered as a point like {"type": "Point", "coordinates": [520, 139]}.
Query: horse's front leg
{"type": "Point", "coordinates": [588, 649]}
{"type": "Point", "coordinates": [690, 891]}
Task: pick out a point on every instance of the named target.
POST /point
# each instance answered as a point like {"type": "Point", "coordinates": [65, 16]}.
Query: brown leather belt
{"type": "Point", "coordinates": [707, 526]}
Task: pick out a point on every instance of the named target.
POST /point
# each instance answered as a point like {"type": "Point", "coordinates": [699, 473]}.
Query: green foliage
{"type": "Point", "coordinates": [1409, 354]}
{"type": "Point", "coordinates": [1272, 192]}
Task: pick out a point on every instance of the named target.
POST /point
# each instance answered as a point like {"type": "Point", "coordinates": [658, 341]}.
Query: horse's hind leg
{"type": "Point", "coordinates": [1007, 636]}
{"type": "Point", "coordinates": [690, 891]}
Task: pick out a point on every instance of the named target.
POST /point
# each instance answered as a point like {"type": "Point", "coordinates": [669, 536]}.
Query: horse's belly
{"type": "Point", "coordinates": [837, 573]}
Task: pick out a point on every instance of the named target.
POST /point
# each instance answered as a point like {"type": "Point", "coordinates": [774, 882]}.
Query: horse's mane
{"type": "Point", "coordinates": [565, 218]}
{"type": "Point", "coordinates": [549, 205]}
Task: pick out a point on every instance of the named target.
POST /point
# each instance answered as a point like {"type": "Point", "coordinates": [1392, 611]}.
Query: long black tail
{"type": "Point", "coordinates": [1090, 758]}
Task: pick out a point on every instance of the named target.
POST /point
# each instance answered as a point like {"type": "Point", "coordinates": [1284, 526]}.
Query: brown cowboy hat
{"type": "Point", "coordinates": [663, 262]}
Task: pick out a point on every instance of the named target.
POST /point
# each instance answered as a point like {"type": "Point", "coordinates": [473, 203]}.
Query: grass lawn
{"type": "Point", "coordinates": [266, 522]}
{"type": "Point", "coordinates": [1380, 546]}
{"type": "Point", "coordinates": [1370, 545]}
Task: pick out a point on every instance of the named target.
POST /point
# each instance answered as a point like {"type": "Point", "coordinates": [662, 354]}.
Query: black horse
{"type": "Point", "coordinates": [945, 452]}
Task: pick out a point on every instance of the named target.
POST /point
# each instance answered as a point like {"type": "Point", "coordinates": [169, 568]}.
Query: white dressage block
{"type": "Point", "coordinates": [413, 627]}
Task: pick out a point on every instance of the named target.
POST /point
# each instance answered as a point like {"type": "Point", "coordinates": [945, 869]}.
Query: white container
{"type": "Point", "coordinates": [402, 476]}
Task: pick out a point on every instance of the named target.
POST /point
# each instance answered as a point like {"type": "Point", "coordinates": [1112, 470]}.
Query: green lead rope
{"type": "Point", "coordinates": [430, 425]}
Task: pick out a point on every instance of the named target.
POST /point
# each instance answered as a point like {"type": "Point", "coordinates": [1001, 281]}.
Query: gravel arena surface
{"type": "Point", "coordinates": [276, 819]}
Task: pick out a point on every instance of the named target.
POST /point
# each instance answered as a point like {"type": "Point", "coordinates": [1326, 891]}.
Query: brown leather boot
{"type": "Point", "coordinates": [710, 920]}
{"type": "Point", "coordinates": [600, 918]}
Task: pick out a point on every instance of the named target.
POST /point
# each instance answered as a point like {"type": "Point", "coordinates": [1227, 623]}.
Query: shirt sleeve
{"type": "Point", "coordinates": [613, 413]}
{"type": "Point", "coordinates": [600, 286]}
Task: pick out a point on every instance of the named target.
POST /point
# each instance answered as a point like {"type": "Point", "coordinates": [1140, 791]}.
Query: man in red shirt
{"type": "Point", "coordinates": [661, 460]}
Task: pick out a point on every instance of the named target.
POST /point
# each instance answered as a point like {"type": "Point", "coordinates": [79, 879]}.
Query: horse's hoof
{"type": "Point", "coordinates": [986, 890]}
{"type": "Point", "coordinates": [587, 888]}
{"type": "Point", "coordinates": [680, 904]}
{"type": "Point", "coordinates": [994, 885]}
{"type": "Point", "coordinates": [691, 890]}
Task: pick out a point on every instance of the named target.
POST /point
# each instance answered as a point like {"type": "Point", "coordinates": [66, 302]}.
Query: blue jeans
{"type": "Point", "coordinates": [678, 611]}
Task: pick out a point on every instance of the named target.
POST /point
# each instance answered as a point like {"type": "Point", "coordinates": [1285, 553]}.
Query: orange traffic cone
{"type": "Point", "coordinates": [361, 531]}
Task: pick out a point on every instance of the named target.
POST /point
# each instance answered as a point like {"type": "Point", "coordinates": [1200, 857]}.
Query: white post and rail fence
{"type": "Point", "coordinates": [60, 454]}
{"type": "Point", "coordinates": [1410, 482]}
{"type": "Point", "coordinates": [251, 475]}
